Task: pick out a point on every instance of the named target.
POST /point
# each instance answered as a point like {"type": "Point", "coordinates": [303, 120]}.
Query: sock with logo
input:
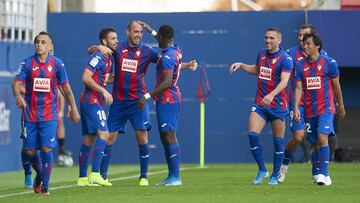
{"type": "Point", "coordinates": [105, 162]}
{"type": "Point", "coordinates": [98, 152]}
{"type": "Point", "coordinates": [46, 162]}
{"type": "Point", "coordinates": [83, 160]}
{"type": "Point", "coordinates": [25, 159]}
{"type": "Point", "coordinates": [279, 146]}
{"type": "Point", "coordinates": [36, 163]}
{"type": "Point", "coordinates": [174, 159]}
{"type": "Point", "coordinates": [324, 156]}
{"type": "Point", "coordinates": [144, 156]}
{"type": "Point", "coordinates": [257, 150]}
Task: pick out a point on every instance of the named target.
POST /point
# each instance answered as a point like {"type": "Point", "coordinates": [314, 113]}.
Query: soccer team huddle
{"type": "Point", "coordinates": [314, 81]}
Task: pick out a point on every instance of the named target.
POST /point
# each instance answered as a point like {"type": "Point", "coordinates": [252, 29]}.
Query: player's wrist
{"type": "Point", "coordinates": [153, 33]}
{"type": "Point", "coordinates": [147, 96]}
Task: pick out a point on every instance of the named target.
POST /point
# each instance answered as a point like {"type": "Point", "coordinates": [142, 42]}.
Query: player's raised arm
{"type": "Point", "coordinates": [103, 49]}
{"type": "Point", "coordinates": [147, 28]}
{"type": "Point", "coordinates": [251, 69]}
{"type": "Point", "coordinates": [69, 96]}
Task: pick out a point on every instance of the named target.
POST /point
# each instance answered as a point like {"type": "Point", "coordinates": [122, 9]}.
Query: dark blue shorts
{"type": "Point", "coordinates": [167, 116]}
{"type": "Point", "coordinates": [121, 112]}
{"type": "Point", "coordinates": [270, 114]}
{"type": "Point", "coordinates": [295, 126]}
{"type": "Point", "coordinates": [93, 119]}
{"type": "Point", "coordinates": [320, 124]}
{"type": "Point", "coordinates": [40, 134]}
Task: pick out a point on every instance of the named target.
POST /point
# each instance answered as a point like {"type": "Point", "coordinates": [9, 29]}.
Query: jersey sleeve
{"type": "Point", "coordinates": [287, 64]}
{"type": "Point", "coordinates": [154, 55]}
{"type": "Point", "coordinates": [94, 63]}
{"type": "Point", "coordinates": [168, 63]}
{"type": "Point", "coordinates": [334, 69]}
{"type": "Point", "coordinates": [61, 74]}
{"type": "Point", "coordinates": [21, 72]}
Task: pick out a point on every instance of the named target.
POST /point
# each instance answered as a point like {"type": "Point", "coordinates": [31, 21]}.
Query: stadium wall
{"type": "Point", "coordinates": [215, 40]}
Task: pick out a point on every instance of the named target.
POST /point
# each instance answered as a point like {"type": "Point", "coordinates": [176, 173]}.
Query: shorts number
{"type": "Point", "coordinates": [101, 114]}
{"type": "Point", "coordinates": [308, 128]}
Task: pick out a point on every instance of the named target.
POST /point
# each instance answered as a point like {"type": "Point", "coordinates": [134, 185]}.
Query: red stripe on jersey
{"type": "Point", "coordinates": [49, 97]}
{"type": "Point", "coordinates": [35, 72]}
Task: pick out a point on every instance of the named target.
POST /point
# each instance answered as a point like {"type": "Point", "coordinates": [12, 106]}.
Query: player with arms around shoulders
{"type": "Point", "coordinates": [273, 69]}
{"type": "Point", "coordinates": [42, 75]}
{"type": "Point", "coordinates": [317, 83]}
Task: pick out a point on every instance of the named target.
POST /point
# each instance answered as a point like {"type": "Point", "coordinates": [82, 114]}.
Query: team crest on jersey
{"type": "Point", "coordinates": [313, 83]}
{"type": "Point", "coordinates": [274, 60]}
{"type": "Point", "coordinates": [49, 68]}
{"type": "Point", "coordinates": [41, 85]}
{"type": "Point", "coordinates": [94, 62]}
{"type": "Point", "coordinates": [319, 67]}
{"type": "Point", "coordinates": [138, 52]}
{"type": "Point", "coordinates": [265, 73]}
{"type": "Point", "coordinates": [129, 65]}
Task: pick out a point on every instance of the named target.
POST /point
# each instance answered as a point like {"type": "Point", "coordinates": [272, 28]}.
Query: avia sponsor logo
{"type": "Point", "coordinates": [4, 117]}
{"type": "Point", "coordinates": [129, 65]}
{"type": "Point", "coordinates": [41, 85]}
{"type": "Point", "coordinates": [265, 73]}
{"type": "Point", "coordinates": [313, 83]}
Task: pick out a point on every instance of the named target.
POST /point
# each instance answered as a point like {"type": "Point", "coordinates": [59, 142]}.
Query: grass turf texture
{"type": "Point", "coordinates": [215, 183]}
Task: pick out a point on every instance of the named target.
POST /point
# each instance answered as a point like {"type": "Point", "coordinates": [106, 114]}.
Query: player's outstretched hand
{"type": "Point", "coordinates": [20, 102]}
{"type": "Point", "coordinates": [234, 67]}
{"type": "Point", "coordinates": [105, 50]}
{"type": "Point", "coordinates": [297, 116]}
{"type": "Point", "coordinates": [74, 115]}
{"type": "Point", "coordinates": [108, 98]}
{"type": "Point", "coordinates": [192, 65]}
{"type": "Point", "coordinates": [341, 113]}
{"type": "Point", "coordinates": [141, 102]}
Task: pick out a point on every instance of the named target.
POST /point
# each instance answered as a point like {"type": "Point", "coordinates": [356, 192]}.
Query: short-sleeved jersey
{"type": "Point", "coordinates": [317, 85]}
{"type": "Point", "coordinates": [131, 64]}
{"type": "Point", "coordinates": [297, 55]}
{"type": "Point", "coordinates": [170, 61]}
{"type": "Point", "coordinates": [100, 66]}
{"type": "Point", "coordinates": [271, 66]}
{"type": "Point", "coordinates": [41, 87]}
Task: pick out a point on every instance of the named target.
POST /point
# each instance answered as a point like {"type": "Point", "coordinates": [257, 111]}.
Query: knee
{"type": "Point", "coordinates": [30, 152]}
{"type": "Point", "coordinates": [169, 138]}
{"type": "Point", "coordinates": [45, 149]}
{"type": "Point", "coordinates": [112, 138]}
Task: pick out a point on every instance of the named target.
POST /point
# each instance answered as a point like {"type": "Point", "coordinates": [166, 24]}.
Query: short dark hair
{"type": "Point", "coordinates": [166, 32]}
{"type": "Point", "coordinates": [43, 33]}
{"type": "Point", "coordinates": [104, 32]}
{"type": "Point", "coordinates": [130, 24]}
{"type": "Point", "coordinates": [316, 39]}
{"type": "Point", "coordinates": [275, 29]}
{"type": "Point", "coordinates": [307, 26]}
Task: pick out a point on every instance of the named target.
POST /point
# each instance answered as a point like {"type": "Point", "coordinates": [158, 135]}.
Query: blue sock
{"type": "Point", "coordinates": [289, 156]}
{"type": "Point", "coordinates": [324, 156]}
{"type": "Point", "coordinates": [36, 164]}
{"type": "Point", "coordinates": [25, 159]}
{"type": "Point", "coordinates": [144, 159]}
{"type": "Point", "coordinates": [167, 157]}
{"type": "Point", "coordinates": [257, 150]}
{"type": "Point", "coordinates": [98, 152]}
{"type": "Point", "coordinates": [314, 162]}
{"type": "Point", "coordinates": [83, 160]}
{"type": "Point", "coordinates": [47, 162]}
{"type": "Point", "coordinates": [105, 162]}
{"type": "Point", "coordinates": [174, 159]}
{"type": "Point", "coordinates": [278, 155]}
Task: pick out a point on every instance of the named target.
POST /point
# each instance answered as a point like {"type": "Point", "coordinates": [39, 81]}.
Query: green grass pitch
{"type": "Point", "coordinates": [214, 183]}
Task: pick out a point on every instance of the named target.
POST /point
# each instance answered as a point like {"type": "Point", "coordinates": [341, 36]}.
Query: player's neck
{"type": "Point", "coordinates": [42, 57]}
{"type": "Point", "coordinates": [314, 56]}
{"type": "Point", "coordinates": [273, 51]}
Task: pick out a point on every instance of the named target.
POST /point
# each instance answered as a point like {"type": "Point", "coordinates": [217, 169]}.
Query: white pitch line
{"type": "Point", "coordinates": [75, 185]}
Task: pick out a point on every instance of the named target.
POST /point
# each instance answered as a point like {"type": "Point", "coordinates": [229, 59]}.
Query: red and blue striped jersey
{"type": "Point", "coordinates": [170, 61]}
{"type": "Point", "coordinates": [41, 87]}
{"type": "Point", "coordinates": [297, 55]}
{"type": "Point", "coordinates": [271, 66]}
{"type": "Point", "coordinates": [317, 84]}
{"type": "Point", "coordinates": [131, 64]}
{"type": "Point", "coordinates": [100, 66]}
